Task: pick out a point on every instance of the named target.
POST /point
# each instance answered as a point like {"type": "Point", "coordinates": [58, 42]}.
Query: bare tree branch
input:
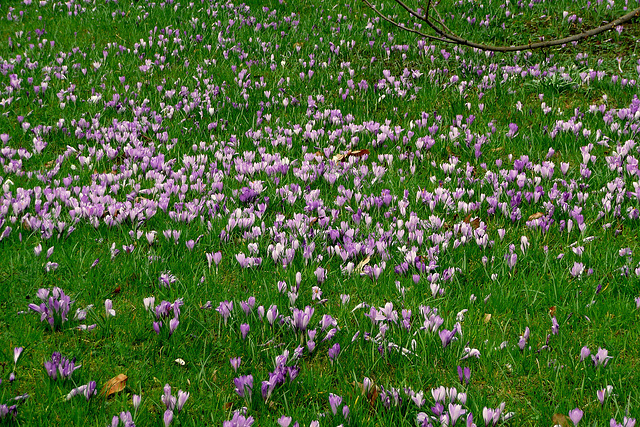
{"type": "Point", "coordinates": [447, 36]}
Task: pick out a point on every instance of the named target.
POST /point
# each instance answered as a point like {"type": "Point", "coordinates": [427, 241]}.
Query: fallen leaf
{"type": "Point", "coordinates": [536, 216]}
{"type": "Point", "coordinates": [114, 385]}
{"type": "Point", "coordinates": [339, 157]}
{"type": "Point", "coordinates": [359, 153]}
{"type": "Point", "coordinates": [560, 420]}
{"type": "Point", "coordinates": [475, 222]}
{"type": "Point", "coordinates": [362, 264]}
{"type": "Point", "coordinates": [487, 317]}
{"type": "Point", "coordinates": [552, 311]}
{"type": "Point", "coordinates": [227, 406]}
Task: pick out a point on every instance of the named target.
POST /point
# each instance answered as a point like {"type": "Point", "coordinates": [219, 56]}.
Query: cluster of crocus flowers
{"type": "Point", "coordinates": [125, 417]}
{"type": "Point", "coordinates": [601, 358]}
{"type": "Point", "coordinates": [59, 367]}
{"type": "Point", "coordinates": [10, 410]}
{"type": "Point", "coordinates": [87, 390]}
{"type": "Point", "coordinates": [166, 315]}
{"type": "Point", "coordinates": [239, 419]}
{"type": "Point", "coordinates": [281, 372]}
{"type": "Point", "coordinates": [173, 404]}
{"type": "Point", "coordinates": [54, 308]}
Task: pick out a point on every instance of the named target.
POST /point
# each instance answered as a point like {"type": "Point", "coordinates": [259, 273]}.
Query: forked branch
{"type": "Point", "coordinates": [443, 34]}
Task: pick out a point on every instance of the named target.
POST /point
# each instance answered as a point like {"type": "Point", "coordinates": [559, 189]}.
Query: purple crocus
{"type": "Point", "coordinates": [446, 336]}
{"type": "Point", "coordinates": [284, 421]}
{"type": "Point", "coordinates": [334, 351]}
{"type": "Point", "coordinates": [182, 399]}
{"type": "Point", "coordinates": [575, 415]}
{"type": "Point", "coordinates": [244, 330]}
{"type": "Point", "coordinates": [601, 358]}
{"type": "Point", "coordinates": [167, 417]}
{"type": "Point", "coordinates": [321, 275]}
{"type": "Point", "coordinates": [244, 385]}
{"type": "Point", "coordinates": [584, 353]}
{"type": "Point", "coordinates": [464, 375]}
{"type": "Point", "coordinates": [334, 402]}
{"type": "Point", "coordinates": [225, 308]}
{"type": "Point", "coordinates": [235, 363]}
{"type": "Point", "coordinates": [108, 306]}
{"type": "Point", "coordinates": [17, 351]}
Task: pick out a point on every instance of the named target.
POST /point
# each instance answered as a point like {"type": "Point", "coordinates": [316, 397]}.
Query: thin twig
{"type": "Point", "coordinates": [447, 36]}
{"type": "Point", "coordinates": [411, 30]}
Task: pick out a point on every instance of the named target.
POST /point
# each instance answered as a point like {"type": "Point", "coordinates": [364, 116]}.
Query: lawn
{"type": "Point", "coordinates": [283, 213]}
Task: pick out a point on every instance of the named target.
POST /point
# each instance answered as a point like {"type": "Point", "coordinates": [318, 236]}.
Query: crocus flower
{"type": "Point", "coordinates": [464, 375]}
{"type": "Point", "coordinates": [576, 415]}
{"type": "Point", "coordinates": [334, 402]}
{"type": "Point", "coordinates": [17, 351]}
{"type": "Point", "coordinates": [446, 336]}
{"type": "Point", "coordinates": [168, 417]}
{"type": "Point", "coordinates": [321, 275]}
{"type": "Point", "coordinates": [108, 306]}
{"type": "Point", "coordinates": [334, 351]}
{"type": "Point", "coordinates": [584, 353]}
{"type": "Point", "coordinates": [555, 327]}
{"type": "Point", "coordinates": [225, 308]}
{"type": "Point", "coordinates": [284, 421]}
{"type": "Point", "coordinates": [173, 324]}
{"type": "Point", "coordinates": [182, 399]}
{"type": "Point", "coordinates": [455, 411]}
{"type": "Point", "coordinates": [601, 358]}
{"type": "Point", "coordinates": [244, 385]}
{"type": "Point", "coordinates": [136, 400]}
{"type": "Point", "coordinates": [235, 363]}
{"type": "Point", "coordinates": [244, 330]}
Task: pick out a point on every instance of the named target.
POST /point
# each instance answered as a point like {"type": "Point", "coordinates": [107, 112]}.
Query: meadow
{"type": "Point", "coordinates": [293, 213]}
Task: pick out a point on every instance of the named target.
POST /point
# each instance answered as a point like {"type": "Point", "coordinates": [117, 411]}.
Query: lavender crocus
{"type": "Point", "coordinates": [601, 358]}
{"type": "Point", "coordinates": [108, 306]}
{"type": "Point", "coordinates": [244, 330]}
{"type": "Point", "coordinates": [54, 308]}
{"type": "Point", "coordinates": [60, 367]}
{"type": "Point", "coordinates": [334, 351]}
{"type": "Point", "coordinates": [17, 351]}
{"type": "Point", "coordinates": [584, 353]}
{"type": "Point", "coordinates": [244, 385]}
{"type": "Point", "coordinates": [575, 415]}
{"type": "Point", "coordinates": [167, 418]}
{"type": "Point", "coordinates": [334, 402]}
{"type": "Point", "coordinates": [446, 336]}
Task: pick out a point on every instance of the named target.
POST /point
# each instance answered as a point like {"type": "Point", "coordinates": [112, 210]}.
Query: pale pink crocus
{"type": "Point", "coordinates": [576, 415]}
{"type": "Point", "coordinates": [108, 307]}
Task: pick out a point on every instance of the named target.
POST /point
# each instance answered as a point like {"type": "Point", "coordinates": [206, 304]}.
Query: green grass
{"type": "Point", "coordinates": [142, 145]}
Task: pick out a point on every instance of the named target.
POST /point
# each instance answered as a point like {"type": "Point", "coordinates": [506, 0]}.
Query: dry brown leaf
{"type": "Point", "coordinates": [560, 420]}
{"type": "Point", "coordinates": [339, 157]}
{"type": "Point", "coordinates": [487, 317]}
{"type": "Point", "coordinates": [536, 216]}
{"type": "Point", "coordinates": [359, 153]}
{"type": "Point", "coordinates": [114, 385]}
{"type": "Point", "coordinates": [475, 222]}
{"type": "Point", "coordinates": [552, 311]}
{"type": "Point", "coordinates": [227, 406]}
